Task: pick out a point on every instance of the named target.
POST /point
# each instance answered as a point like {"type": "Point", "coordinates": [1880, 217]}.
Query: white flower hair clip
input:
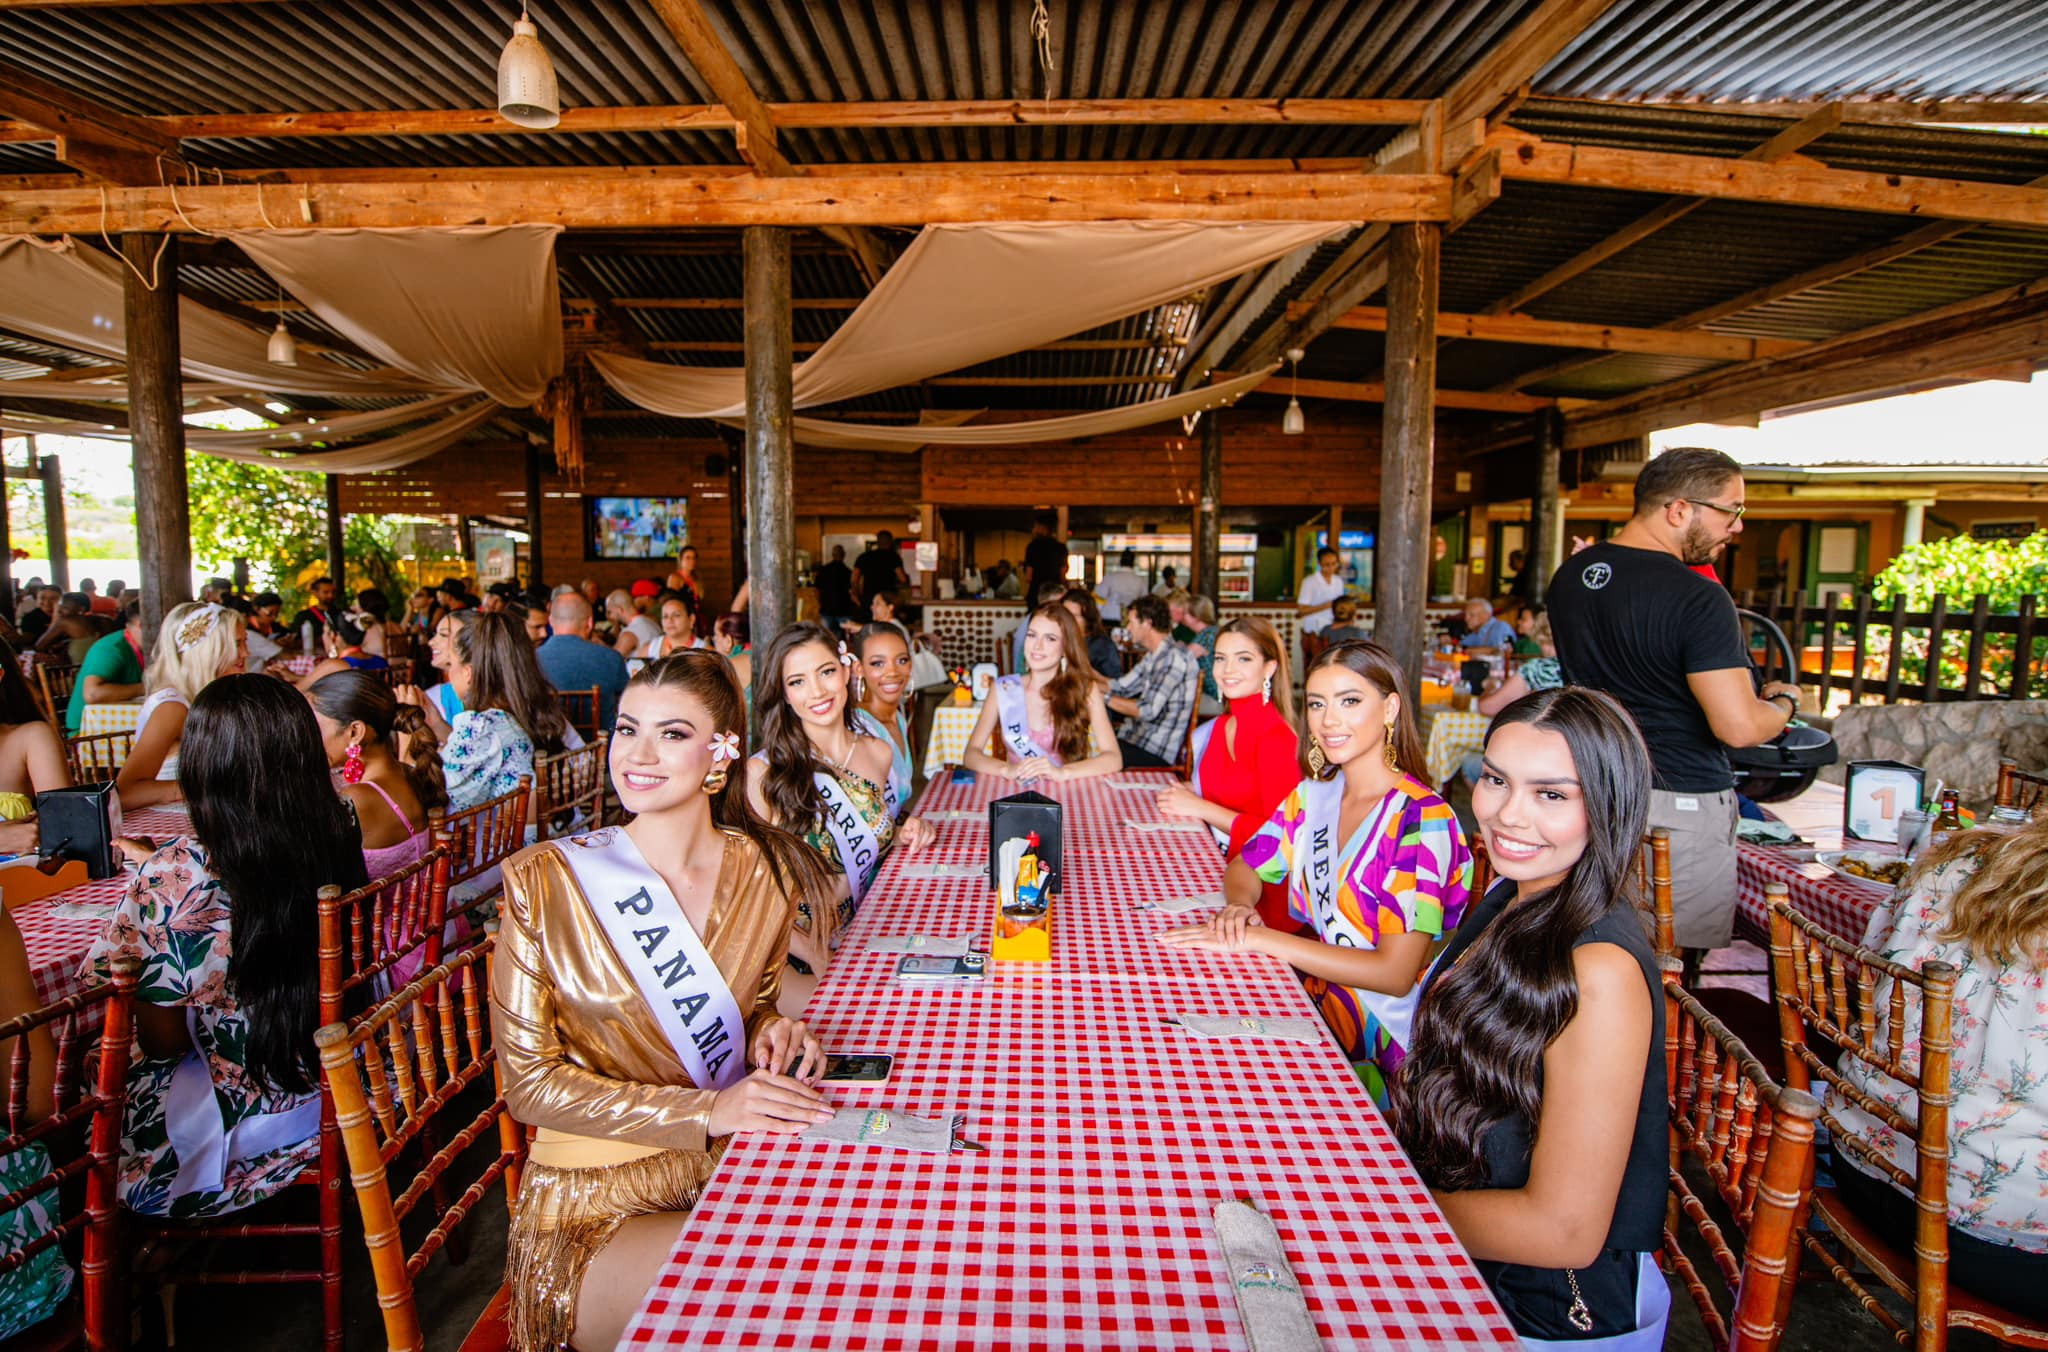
{"type": "Point", "coordinates": [845, 656]}
{"type": "Point", "coordinates": [725, 746]}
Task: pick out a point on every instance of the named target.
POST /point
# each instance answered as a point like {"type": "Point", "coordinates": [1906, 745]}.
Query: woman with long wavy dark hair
{"type": "Point", "coordinates": [1053, 721]}
{"type": "Point", "coordinates": [634, 1005]}
{"type": "Point", "coordinates": [509, 714]}
{"type": "Point", "coordinates": [1376, 867]}
{"type": "Point", "coordinates": [818, 775]}
{"type": "Point", "coordinates": [224, 1101]}
{"type": "Point", "coordinates": [1532, 1100]}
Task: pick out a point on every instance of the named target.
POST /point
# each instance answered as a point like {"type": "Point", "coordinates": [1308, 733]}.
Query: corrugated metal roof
{"type": "Point", "coordinates": [1799, 49]}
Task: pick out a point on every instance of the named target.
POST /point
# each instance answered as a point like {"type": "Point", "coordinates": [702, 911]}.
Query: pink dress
{"type": "Point", "coordinates": [389, 859]}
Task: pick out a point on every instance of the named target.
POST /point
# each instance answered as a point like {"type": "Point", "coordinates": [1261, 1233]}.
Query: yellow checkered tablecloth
{"type": "Point", "coordinates": [121, 716]}
{"type": "Point", "coordinates": [1453, 735]}
{"type": "Point", "coordinates": [952, 724]}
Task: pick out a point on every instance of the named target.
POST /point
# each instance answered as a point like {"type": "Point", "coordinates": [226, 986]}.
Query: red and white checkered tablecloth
{"type": "Point", "coordinates": [57, 944]}
{"type": "Point", "coordinates": [1110, 1138]}
{"type": "Point", "coordinates": [1842, 908]}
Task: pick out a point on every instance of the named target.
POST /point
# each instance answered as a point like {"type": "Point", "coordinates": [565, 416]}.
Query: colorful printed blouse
{"type": "Point", "coordinates": [174, 921]}
{"type": "Point", "coordinates": [1405, 869]}
{"type": "Point", "coordinates": [487, 753]}
{"type": "Point", "coordinates": [1998, 1076]}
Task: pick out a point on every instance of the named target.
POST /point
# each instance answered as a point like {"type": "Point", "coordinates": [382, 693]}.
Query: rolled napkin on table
{"type": "Point", "coordinates": [1249, 1025]}
{"type": "Point", "coordinates": [922, 872]}
{"type": "Point", "coordinates": [893, 1131]}
{"type": "Point", "coordinates": [1269, 1301]}
{"type": "Point", "coordinates": [932, 944]}
{"type": "Point", "coordinates": [1182, 905]}
{"type": "Point", "coordinates": [1165, 826]}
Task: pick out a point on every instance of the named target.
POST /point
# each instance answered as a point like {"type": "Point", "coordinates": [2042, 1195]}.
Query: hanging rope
{"type": "Point", "coordinates": [156, 264]}
{"type": "Point", "coordinates": [1041, 35]}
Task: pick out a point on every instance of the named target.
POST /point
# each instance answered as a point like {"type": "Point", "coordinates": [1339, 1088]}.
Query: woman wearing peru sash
{"type": "Point", "coordinates": [819, 775]}
{"type": "Point", "coordinates": [1044, 722]}
{"type": "Point", "coordinates": [634, 1006]}
{"type": "Point", "coordinates": [1375, 864]}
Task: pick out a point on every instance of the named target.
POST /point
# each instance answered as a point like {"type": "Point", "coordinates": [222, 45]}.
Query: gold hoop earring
{"type": "Point", "coordinates": [715, 781]}
{"type": "Point", "coordinates": [1387, 746]}
{"type": "Point", "coordinates": [1316, 762]}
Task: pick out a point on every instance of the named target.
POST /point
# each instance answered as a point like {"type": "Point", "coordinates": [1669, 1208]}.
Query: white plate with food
{"type": "Point", "coordinates": [1865, 868]}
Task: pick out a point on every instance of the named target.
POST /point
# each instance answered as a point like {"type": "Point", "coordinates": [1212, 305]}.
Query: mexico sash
{"type": "Point", "coordinates": [1014, 718]}
{"type": "Point", "coordinates": [663, 953]}
{"type": "Point", "coordinates": [860, 854]}
{"type": "Point", "coordinates": [1319, 871]}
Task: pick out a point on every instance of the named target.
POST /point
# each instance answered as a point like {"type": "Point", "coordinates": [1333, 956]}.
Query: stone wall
{"type": "Point", "coordinates": [1959, 744]}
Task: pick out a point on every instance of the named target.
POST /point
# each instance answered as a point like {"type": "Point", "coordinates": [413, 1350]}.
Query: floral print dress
{"type": "Point", "coordinates": [174, 922]}
{"type": "Point", "coordinates": [486, 755]}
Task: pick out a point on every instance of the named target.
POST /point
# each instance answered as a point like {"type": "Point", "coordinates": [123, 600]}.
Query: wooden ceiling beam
{"type": "Point", "coordinates": [753, 125]}
{"type": "Point", "coordinates": [1787, 142]}
{"type": "Point", "coordinates": [1868, 112]}
{"type": "Point", "coordinates": [1790, 182]}
{"type": "Point", "coordinates": [1486, 93]}
{"type": "Point", "coordinates": [1489, 328]}
{"type": "Point", "coordinates": [727, 303]}
{"type": "Point", "coordinates": [92, 138]}
{"type": "Point", "coordinates": [616, 324]}
{"type": "Point", "coordinates": [718, 118]}
{"type": "Point", "coordinates": [1375, 392]}
{"type": "Point", "coordinates": [1036, 382]}
{"type": "Point", "coordinates": [970, 196]}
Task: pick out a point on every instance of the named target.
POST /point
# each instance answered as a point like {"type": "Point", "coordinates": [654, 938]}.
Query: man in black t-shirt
{"type": "Point", "coordinates": [1045, 558]}
{"type": "Point", "coordinates": [834, 581]}
{"type": "Point", "coordinates": [880, 568]}
{"type": "Point", "coordinates": [1631, 618]}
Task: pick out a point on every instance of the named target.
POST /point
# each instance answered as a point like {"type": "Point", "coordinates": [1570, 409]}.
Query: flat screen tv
{"type": "Point", "coordinates": [635, 528]}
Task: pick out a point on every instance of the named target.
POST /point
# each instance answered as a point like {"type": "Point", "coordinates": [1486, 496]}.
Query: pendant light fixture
{"type": "Point", "coordinates": [527, 93]}
{"type": "Point", "coordinates": [283, 349]}
{"type": "Point", "coordinates": [1292, 423]}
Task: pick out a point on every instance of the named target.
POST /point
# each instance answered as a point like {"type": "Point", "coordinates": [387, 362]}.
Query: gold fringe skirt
{"type": "Point", "coordinates": [565, 1216]}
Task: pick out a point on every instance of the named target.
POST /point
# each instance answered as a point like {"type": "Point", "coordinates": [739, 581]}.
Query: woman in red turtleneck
{"type": "Point", "coordinates": [1244, 761]}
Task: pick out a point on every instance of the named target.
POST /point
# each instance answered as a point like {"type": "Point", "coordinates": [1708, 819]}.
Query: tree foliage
{"type": "Point", "coordinates": [277, 520]}
{"type": "Point", "coordinates": [1962, 569]}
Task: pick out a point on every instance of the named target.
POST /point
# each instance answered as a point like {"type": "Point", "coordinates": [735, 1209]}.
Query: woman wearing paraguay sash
{"type": "Point", "coordinates": [1246, 761]}
{"type": "Point", "coordinates": [881, 683]}
{"type": "Point", "coordinates": [1044, 722]}
{"type": "Point", "coordinates": [819, 775]}
{"type": "Point", "coordinates": [634, 1006]}
{"type": "Point", "coordinates": [1375, 865]}
{"type": "Point", "coordinates": [1533, 1097]}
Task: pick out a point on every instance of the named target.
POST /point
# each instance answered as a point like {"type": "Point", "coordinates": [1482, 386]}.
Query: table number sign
{"type": "Point", "coordinates": [1875, 792]}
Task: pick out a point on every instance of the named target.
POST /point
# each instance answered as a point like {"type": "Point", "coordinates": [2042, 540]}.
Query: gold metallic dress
{"type": "Point", "coordinates": [622, 1130]}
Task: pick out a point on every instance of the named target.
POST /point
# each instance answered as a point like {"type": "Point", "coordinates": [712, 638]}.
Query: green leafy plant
{"type": "Point", "coordinates": [1961, 569]}
{"type": "Point", "coordinates": [277, 520]}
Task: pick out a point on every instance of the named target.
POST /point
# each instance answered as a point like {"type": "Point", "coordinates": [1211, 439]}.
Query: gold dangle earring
{"type": "Point", "coordinates": [715, 781]}
{"type": "Point", "coordinates": [1315, 759]}
{"type": "Point", "coordinates": [1266, 695]}
{"type": "Point", "coordinates": [1388, 747]}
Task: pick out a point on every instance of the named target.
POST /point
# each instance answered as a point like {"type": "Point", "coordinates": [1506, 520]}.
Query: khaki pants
{"type": "Point", "coordinates": [1702, 827]}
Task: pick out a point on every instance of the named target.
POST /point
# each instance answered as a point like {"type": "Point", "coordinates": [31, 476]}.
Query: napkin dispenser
{"type": "Point", "coordinates": [80, 823]}
{"type": "Point", "coordinates": [1027, 866]}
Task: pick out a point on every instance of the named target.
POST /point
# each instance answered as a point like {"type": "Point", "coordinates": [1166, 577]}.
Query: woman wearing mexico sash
{"type": "Point", "coordinates": [1375, 864]}
{"type": "Point", "coordinates": [818, 775]}
{"type": "Point", "coordinates": [1044, 722]}
{"type": "Point", "coordinates": [633, 1006]}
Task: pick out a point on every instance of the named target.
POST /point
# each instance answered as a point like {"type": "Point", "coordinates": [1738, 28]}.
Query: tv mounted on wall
{"type": "Point", "coordinates": [634, 528]}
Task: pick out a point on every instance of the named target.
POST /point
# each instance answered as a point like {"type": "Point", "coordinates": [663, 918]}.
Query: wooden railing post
{"type": "Point", "coordinates": [1892, 667]}
{"type": "Point", "coordinates": [1973, 667]}
{"type": "Point", "coordinates": [1937, 620]}
{"type": "Point", "coordinates": [2022, 651]}
{"type": "Point", "coordinates": [1827, 646]}
{"type": "Point", "coordinates": [1862, 650]}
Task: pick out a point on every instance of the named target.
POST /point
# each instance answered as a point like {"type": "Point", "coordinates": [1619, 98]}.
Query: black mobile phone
{"type": "Point", "coordinates": [962, 775]}
{"type": "Point", "coordinates": [859, 1068]}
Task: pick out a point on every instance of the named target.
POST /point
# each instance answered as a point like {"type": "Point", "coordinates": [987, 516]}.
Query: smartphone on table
{"type": "Point", "coordinates": [858, 1067]}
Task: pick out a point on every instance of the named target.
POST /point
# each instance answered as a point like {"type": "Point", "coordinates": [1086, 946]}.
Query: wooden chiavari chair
{"type": "Point", "coordinates": [479, 838]}
{"type": "Point", "coordinates": [1752, 1141]}
{"type": "Point", "coordinates": [397, 1073]}
{"type": "Point", "coordinates": [55, 682]}
{"type": "Point", "coordinates": [98, 758]}
{"type": "Point", "coordinates": [1855, 1002]}
{"type": "Point", "coordinates": [582, 708]}
{"type": "Point", "coordinates": [2020, 788]}
{"type": "Point", "coordinates": [569, 789]}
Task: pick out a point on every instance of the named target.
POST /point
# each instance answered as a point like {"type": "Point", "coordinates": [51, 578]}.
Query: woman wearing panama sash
{"type": "Point", "coordinates": [634, 1006]}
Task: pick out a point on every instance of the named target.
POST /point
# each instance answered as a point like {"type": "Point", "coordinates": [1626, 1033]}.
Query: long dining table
{"type": "Point", "coordinates": [59, 929]}
{"type": "Point", "coordinates": [1109, 1135]}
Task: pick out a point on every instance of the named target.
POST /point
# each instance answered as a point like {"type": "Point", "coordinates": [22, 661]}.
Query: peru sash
{"type": "Point", "coordinates": [1319, 871]}
{"type": "Point", "coordinates": [1014, 718]}
{"type": "Point", "coordinates": [663, 953]}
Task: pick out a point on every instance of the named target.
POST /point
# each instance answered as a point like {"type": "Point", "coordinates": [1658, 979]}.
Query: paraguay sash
{"type": "Point", "coordinates": [1319, 871]}
{"type": "Point", "coordinates": [662, 951]}
{"type": "Point", "coordinates": [860, 854]}
{"type": "Point", "coordinates": [1201, 749]}
{"type": "Point", "coordinates": [1014, 718]}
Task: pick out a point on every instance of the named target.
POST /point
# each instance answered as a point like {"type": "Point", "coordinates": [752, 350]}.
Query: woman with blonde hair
{"type": "Point", "coordinates": [1044, 722]}
{"type": "Point", "coordinates": [198, 643]}
{"type": "Point", "coordinates": [1244, 762]}
{"type": "Point", "coordinates": [1978, 902]}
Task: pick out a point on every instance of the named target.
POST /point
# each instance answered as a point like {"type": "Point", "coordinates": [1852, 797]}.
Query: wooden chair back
{"type": "Point", "coordinates": [1185, 766]}
{"type": "Point", "coordinates": [82, 1137]}
{"type": "Point", "coordinates": [55, 682]}
{"type": "Point", "coordinates": [479, 837]}
{"type": "Point", "coordinates": [397, 671]}
{"type": "Point", "coordinates": [1006, 651]}
{"type": "Point", "coordinates": [1482, 869]}
{"type": "Point", "coordinates": [1653, 871]}
{"type": "Point", "coordinates": [2020, 788]}
{"type": "Point", "coordinates": [367, 933]}
{"type": "Point", "coordinates": [402, 1073]}
{"type": "Point", "coordinates": [1751, 1139]}
{"type": "Point", "coordinates": [581, 708]}
{"type": "Point", "coordinates": [569, 789]}
{"type": "Point", "coordinates": [1867, 1007]}
{"type": "Point", "coordinates": [98, 758]}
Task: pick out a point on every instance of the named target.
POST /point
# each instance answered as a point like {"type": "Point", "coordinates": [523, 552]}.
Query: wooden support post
{"type": "Point", "coordinates": [771, 525]}
{"type": "Point", "coordinates": [1208, 579]}
{"type": "Point", "coordinates": [337, 555]}
{"type": "Point", "coordinates": [736, 506]}
{"type": "Point", "coordinates": [1408, 445]}
{"type": "Point", "coordinates": [6, 549]}
{"type": "Point", "coordinates": [51, 470]}
{"type": "Point", "coordinates": [1548, 546]}
{"type": "Point", "coordinates": [163, 512]}
{"type": "Point", "coordinates": [536, 573]}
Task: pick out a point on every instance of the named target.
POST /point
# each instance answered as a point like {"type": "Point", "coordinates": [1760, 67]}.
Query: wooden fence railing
{"type": "Point", "coordinates": [1940, 653]}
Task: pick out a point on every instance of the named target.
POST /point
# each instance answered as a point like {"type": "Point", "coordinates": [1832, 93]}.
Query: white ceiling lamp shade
{"type": "Point", "coordinates": [1292, 423]}
{"type": "Point", "coordinates": [527, 93]}
{"type": "Point", "coordinates": [283, 350]}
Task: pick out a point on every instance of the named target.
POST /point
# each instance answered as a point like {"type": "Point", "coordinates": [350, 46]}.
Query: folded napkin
{"type": "Point", "coordinates": [1249, 1025]}
{"type": "Point", "coordinates": [953, 816]}
{"type": "Point", "coordinates": [1135, 788]}
{"type": "Point", "coordinates": [1764, 833]}
{"type": "Point", "coordinates": [919, 943]}
{"type": "Point", "coordinates": [80, 910]}
{"type": "Point", "coordinates": [1182, 905]}
{"type": "Point", "coordinates": [925, 871]}
{"type": "Point", "coordinates": [1269, 1302]}
{"type": "Point", "coordinates": [891, 1130]}
{"type": "Point", "coordinates": [1165, 826]}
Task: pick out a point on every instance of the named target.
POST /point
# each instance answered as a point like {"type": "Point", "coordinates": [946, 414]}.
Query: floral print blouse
{"type": "Point", "coordinates": [1998, 1120]}
{"type": "Point", "coordinates": [174, 922]}
{"type": "Point", "coordinates": [487, 753]}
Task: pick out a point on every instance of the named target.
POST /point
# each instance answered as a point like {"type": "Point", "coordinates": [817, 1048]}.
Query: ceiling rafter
{"type": "Point", "coordinates": [92, 138]}
{"type": "Point", "coordinates": [1491, 328]}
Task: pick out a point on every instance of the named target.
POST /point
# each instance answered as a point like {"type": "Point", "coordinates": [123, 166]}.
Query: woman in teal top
{"type": "Point", "coordinates": [881, 685]}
